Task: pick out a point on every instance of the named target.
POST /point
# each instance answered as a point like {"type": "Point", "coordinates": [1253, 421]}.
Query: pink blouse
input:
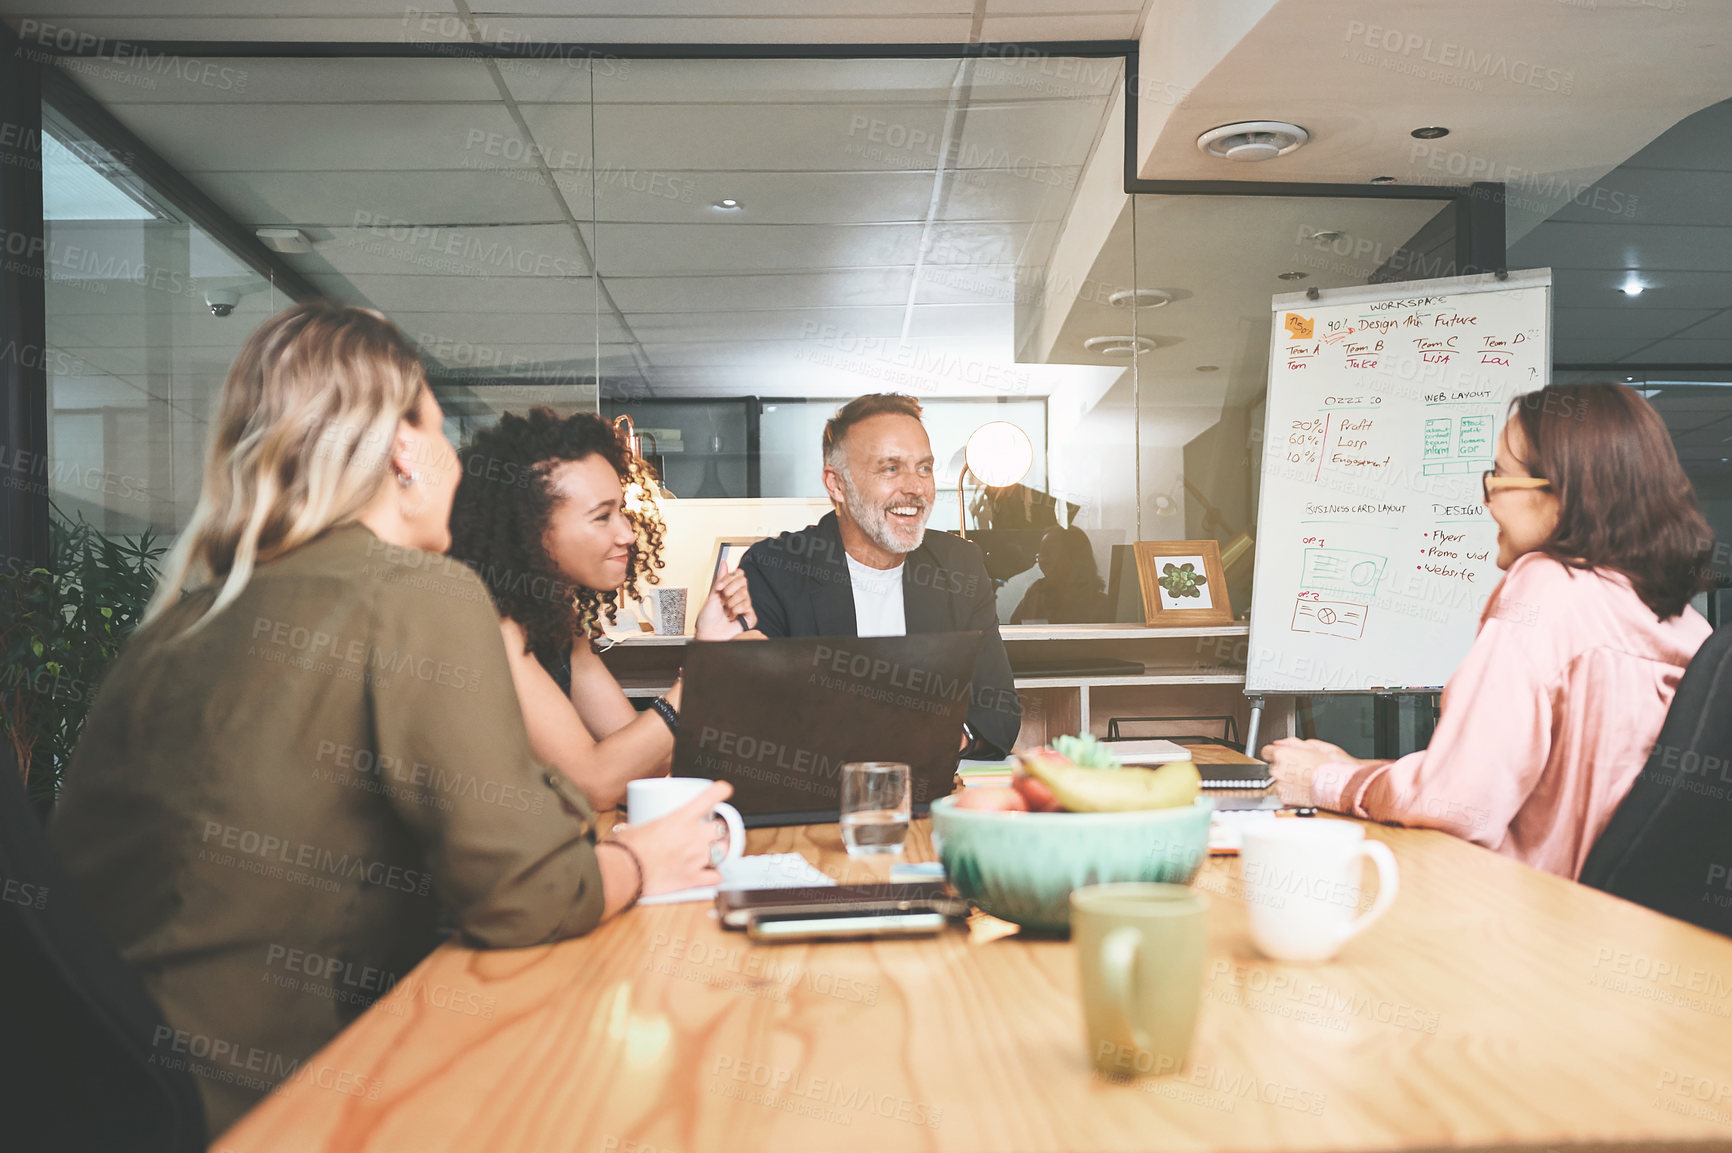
{"type": "Point", "coordinates": [1545, 724]}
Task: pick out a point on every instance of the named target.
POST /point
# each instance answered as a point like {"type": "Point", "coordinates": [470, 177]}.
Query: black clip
{"type": "Point", "coordinates": [1312, 293]}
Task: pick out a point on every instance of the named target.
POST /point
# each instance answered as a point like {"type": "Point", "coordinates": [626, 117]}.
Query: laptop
{"type": "Point", "coordinates": [779, 718]}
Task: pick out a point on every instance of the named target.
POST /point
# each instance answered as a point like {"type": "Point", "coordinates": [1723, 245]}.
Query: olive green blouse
{"type": "Point", "coordinates": [267, 815]}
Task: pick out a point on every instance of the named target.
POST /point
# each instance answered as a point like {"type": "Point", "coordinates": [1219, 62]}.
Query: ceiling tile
{"type": "Point", "coordinates": [1631, 246]}
{"type": "Point", "coordinates": [124, 26]}
{"type": "Point", "coordinates": [667, 249]}
{"type": "Point", "coordinates": [1067, 26]}
{"type": "Point", "coordinates": [850, 287]}
{"type": "Point", "coordinates": [1594, 350]}
{"type": "Point", "coordinates": [394, 292]}
{"type": "Point", "coordinates": [1649, 323]}
{"type": "Point", "coordinates": [752, 137]}
{"type": "Point", "coordinates": [357, 137]}
{"type": "Point", "coordinates": [149, 78]}
{"type": "Point", "coordinates": [1686, 352]}
{"type": "Point", "coordinates": [629, 29]}
{"type": "Point", "coordinates": [337, 199]}
{"type": "Point", "coordinates": [474, 254]}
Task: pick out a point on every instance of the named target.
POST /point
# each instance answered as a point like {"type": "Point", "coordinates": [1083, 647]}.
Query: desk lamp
{"type": "Point", "coordinates": [998, 454]}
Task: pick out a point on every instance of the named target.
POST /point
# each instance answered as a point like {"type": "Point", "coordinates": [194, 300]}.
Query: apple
{"type": "Point", "coordinates": [992, 799]}
{"type": "Point", "coordinates": [1035, 793]}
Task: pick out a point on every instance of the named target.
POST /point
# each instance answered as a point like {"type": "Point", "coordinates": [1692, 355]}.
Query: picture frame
{"type": "Point", "coordinates": [1176, 575]}
{"type": "Point", "coordinates": [728, 551]}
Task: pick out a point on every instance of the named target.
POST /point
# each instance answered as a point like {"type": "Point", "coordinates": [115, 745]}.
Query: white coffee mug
{"type": "Point", "coordinates": [1301, 882]}
{"type": "Point", "coordinates": [653, 797]}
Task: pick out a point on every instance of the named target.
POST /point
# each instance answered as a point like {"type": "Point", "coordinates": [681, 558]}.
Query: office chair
{"type": "Point", "coordinates": [75, 1022]}
{"type": "Point", "coordinates": [1668, 845]}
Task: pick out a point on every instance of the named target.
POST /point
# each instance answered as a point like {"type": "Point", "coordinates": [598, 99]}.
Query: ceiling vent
{"type": "Point", "coordinates": [1119, 347]}
{"type": "Point", "coordinates": [1252, 140]}
{"type": "Point", "coordinates": [1140, 298]}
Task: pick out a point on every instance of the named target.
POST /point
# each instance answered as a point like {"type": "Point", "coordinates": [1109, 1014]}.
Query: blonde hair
{"type": "Point", "coordinates": [300, 442]}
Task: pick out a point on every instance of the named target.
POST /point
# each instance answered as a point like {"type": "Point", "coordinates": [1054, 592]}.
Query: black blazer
{"type": "Point", "coordinates": [800, 588]}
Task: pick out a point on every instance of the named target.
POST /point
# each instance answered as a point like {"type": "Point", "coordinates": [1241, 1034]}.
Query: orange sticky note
{"type": "Point", "coordinates": [1298, 327]}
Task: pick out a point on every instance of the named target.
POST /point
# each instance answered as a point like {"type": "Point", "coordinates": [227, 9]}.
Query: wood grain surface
{"type": "Point", "coordinates": [1494, 1006]}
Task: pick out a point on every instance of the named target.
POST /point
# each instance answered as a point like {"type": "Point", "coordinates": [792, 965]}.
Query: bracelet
{"type": "Point", "coordinates": [635, 863]}
{"type": "Point", "coordinates": [670, 716]}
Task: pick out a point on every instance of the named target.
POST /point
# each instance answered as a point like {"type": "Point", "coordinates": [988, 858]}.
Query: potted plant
{"type": "Point", "coordinates": [61, 626]}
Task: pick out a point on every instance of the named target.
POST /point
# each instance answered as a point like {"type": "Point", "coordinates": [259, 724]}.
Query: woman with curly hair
{"type": "Point", "coordinates": [543, 514]}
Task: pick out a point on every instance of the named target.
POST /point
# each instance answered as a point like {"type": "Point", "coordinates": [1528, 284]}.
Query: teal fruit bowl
{"type": "Point", "coordinates": [1022, 866]}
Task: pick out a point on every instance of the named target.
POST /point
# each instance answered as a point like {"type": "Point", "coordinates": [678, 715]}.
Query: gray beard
{"type": "Point", "coordinates": [875, 522]}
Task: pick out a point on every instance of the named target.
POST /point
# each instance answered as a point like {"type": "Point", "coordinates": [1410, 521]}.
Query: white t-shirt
{"type": "Point", "coordinates": [877, 600]}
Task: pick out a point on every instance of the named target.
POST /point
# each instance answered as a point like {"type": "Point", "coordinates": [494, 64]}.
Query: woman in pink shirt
{"type": "Point", "coordinates": [1549, 719]}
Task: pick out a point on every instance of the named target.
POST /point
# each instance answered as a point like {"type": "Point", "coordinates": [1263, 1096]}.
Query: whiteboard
{"type": "Point", "coordinates": [1375, 554]}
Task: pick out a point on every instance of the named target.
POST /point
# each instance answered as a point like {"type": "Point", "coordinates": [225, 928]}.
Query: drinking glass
{"type": "Point", "coordinates": [876, 806]}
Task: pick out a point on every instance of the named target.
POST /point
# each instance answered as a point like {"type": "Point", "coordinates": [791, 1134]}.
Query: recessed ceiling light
{"type": "Point", "coordinates": [728, 204]}
{"type": "Point", "coordinates": [1383, 180]}
{"type": "Point", "coordinates": [1327, 236]}
{"type": "Point", "coordinates": [1208, 368]}
{"type": "Point", "coordinates": [1139, 298]}
{"type": "Point", "coordinates": [1291, 275]}
{"type": "Point", "coordinates": [1253, 140]}
{"type": "Point", "coordinates": [1432, 133]}
{"type": "Point", "coordinates": [1632, 286]}
{"type": "Point", "coordinates": [1119, 347]}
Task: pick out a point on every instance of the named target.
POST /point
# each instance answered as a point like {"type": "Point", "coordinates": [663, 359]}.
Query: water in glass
{"type": "Point", "coordinates": [875, 807]}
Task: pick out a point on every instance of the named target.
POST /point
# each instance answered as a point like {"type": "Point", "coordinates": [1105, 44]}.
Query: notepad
{"type": "Point", "coordinates": [763, 871]}
{"type": "Point", "coordinates": [1147, 752]}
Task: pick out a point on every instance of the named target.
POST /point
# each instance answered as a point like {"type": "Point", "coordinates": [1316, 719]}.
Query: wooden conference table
{"type": "Point", "coordinates": [1493, 1006]}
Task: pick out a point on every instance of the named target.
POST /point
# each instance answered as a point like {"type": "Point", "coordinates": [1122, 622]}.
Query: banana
{"type": "Point", "coordinates": [1123, 790]}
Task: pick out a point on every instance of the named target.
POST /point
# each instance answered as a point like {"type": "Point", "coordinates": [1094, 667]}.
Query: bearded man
{"type": "Point", "coordinates": [871, 568]}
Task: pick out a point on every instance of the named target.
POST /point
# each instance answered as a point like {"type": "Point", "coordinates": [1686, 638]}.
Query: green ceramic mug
{"type": "Point", "coordinates": [1142, 948]}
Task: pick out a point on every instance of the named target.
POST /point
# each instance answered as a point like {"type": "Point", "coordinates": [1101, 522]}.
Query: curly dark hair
{"type": "Point", "coordinates": [501, 513]}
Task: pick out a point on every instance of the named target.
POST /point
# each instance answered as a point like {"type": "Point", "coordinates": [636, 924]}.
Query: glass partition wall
{"type": "Point", "coordinates": [137, 354]}
{"type": "Point", "coordinates": [727, 249]}
{"type": "Point", "coordinates": [410, 186]}
{"type": "Point", "coordinates": [840, 227]}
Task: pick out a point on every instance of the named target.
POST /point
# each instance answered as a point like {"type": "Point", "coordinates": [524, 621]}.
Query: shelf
{"type": "Point", "coordinates": [1014, 634]}
{"type": "Point", "coordinates": [1031, 634]}
{"type": "Point", "coordinates": [1150, 679]}
{"type": "Point", "coordinates": [648, 687]}
{"type": "Point", "coordinates": [646, 641]}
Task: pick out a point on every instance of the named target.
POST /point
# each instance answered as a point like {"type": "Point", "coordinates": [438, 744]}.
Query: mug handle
{"type": "Point", "coordinates": [1387, 886]}
{"type": "Point", "coordinates": [730, 816]}
{"type": "Point", "coordinates": [1118, 962]}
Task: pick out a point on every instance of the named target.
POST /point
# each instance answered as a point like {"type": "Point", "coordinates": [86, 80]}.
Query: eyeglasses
{"type": "Point", "coordinates": [1489, 484]}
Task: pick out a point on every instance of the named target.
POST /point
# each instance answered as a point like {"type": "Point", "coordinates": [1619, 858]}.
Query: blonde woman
{"type": "Point", "coordinates": [294, 766]}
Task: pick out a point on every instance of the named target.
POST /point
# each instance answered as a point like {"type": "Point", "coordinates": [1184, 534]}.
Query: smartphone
{"type": "Point", "coordinates": [771, 927]}
{"type": "Point", "coordinates": [737, 906]}
{"type": "Point", "coordinates": [1246, 804]}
